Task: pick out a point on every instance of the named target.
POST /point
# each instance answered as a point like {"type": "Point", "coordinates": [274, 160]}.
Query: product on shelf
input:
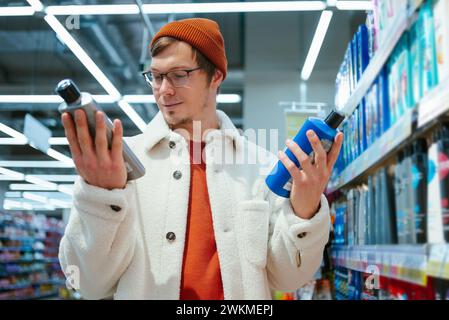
{"type": "Point", "coordinates": [386, 13]}
{"type": "Point", "coordinates": [419, 186]}
{"type": "Point", "coordinates": [441, 18]}
{"type": "Point", "coordinates": [366, 214]}
{"type": "Point", "coordinates": [29, 267]}
{"type": "Point", "coordinates": [428, 47]}
{"type": "Point", "coordinates": [434, 215]}
{"type": "Point", "coordinates": [443, 171]}
{"type": "Point", "coordinates": [355, 285]}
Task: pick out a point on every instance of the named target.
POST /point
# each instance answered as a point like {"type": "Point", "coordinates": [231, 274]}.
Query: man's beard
{"type": "Point", "coordinates": [175, 123]}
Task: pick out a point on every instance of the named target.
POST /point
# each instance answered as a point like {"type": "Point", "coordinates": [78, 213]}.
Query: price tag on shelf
{"type": "Point", "coordinates": [416, 268]}
{"type": "Point", "coordinates": [436, 259]}
{"type": "Point", "coordinates": [385, 263]}
{"type": "Point", "coordinates": [363, 260]}
{"type": "Point", "coordinates": [445, 271]}
{"type": "Point", "coordinates": [435, 103]}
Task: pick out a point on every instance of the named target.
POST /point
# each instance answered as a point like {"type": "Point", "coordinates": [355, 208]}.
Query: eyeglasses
{"type": "Point", "coordinates": [178, 78]}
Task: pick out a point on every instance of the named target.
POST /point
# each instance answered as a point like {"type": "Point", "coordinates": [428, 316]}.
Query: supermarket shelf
{"type": "Point", "coordinates": [402, 262]}
{"type": "Point", "coordinates": [10, 273]}
{"type": "Point", "coordinates": [20, 238]}
{"type": "Point", "coordinates": [45, 260]}
{"type": "Point", "coordinates": [377, 63]}
{"type": "Point", "coordinates": [438, 261]}
{"type": "Point", "coordinates": [21, 249]}
{"type": "Point", "coordinates": [434, 104]}
{"type": "Point", "coordinates": [43, 295]}
{"type": "Point", "coordinates": [411, 263]}
{"type": "Point", "coordinates": [28, 284]}
{"type": "Point", "coordinates": [377, 152]}
{"type": "Point", "coordinates": [29, 227]}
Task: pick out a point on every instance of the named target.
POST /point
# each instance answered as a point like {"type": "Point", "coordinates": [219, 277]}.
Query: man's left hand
{"type": "Point", "coordinates": [309, 181]}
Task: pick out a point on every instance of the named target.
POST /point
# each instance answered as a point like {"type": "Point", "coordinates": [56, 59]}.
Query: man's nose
{"type": "Point", "coordinates": [166, 86]}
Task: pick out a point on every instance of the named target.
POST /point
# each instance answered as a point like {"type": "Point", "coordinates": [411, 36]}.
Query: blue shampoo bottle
{"type": "Point", "coordinates": [279, 180]}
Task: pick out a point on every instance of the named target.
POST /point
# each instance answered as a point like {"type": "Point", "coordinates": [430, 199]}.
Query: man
{"type": "Point", "coordinates": [193, 227]}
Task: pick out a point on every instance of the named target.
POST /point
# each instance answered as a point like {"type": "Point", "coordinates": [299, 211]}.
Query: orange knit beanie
{"type": "Point", "coordinates": [202, 34]}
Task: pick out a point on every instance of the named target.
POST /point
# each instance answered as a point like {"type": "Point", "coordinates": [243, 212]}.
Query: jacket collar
{"type": "Point", "coordinates": [158, 130]}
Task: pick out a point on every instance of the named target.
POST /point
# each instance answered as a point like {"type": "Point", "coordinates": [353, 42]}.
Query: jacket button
{"type": "Point", "coordinates": [177, 174]}
{"type": "Point", "coordinates": [170, 236]}
{"type": "Point", "coordinates": [302, 235]}
{"type": "Point", "coordinates": [172, 144]}
{"type": "Point", "coordinates": [116, 208]}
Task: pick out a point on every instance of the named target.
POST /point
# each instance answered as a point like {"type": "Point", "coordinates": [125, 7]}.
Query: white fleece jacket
{"type": "Point", "coordinates": [117, 238]}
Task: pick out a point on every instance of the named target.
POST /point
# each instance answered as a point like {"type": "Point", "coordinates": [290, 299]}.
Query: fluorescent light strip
{"type": "Point", "coordinates": [4, 177]}
{"type": "Point", "coordinates": [16, 11]}
{"type": "Point", "coordinates": [58, 177]}
{"type": "Point", "coordinates": [37, 181]}
{"type": "Point", "coordinates": [13, 133]}
{"type": "Point", "coordinates": [79, 52]}
{"type": "Point", "coordinates": [90, 65]}
{"type": "Point", "coordinates": [167, 8]}
{"type": "Point", "coordinates": [13, 194]}
{"type": "Point", "coordinates": [132, 114]}
{"type": "Point", "coordinates": [46, 200]}
{"type": "Point", "coordinates": [33, 164]}
{"type": "Point", "coordinates": [12, 174]}
{"type": "Point", "coordinates": [12, 141]}
{"type": "Point", "coordinates": [269, 6]}
{"type": "Point", "coordinates": [59, 156]}
{"type": "Point", "coordinates": [67, 189]}
{"type": "Point", "coordinates": [34, 187]}
{"type": "Point", "coordinates": [60, 203]}
{"type": "Point", "coordinates": [127, 9]}
{"type": "Point", "coordinates": [317, 42]}
{"type": "Point", "coordinates": [28, 187]}
{"type": "Point", "coordinates": [36, 5]}
{"type": "Point", "coordinates": [92, 9]}
{"type": "Point", "coordinates": [229, 98]}
{"type": "Point", "coordinates": [34, 197]}
{"type": "Point", "coordinates": [16, 205]}
{"type": "Point", "coordinates": [41, 182]}
{"type": "Point", "coordinates": [354, 5]}
{"type": "Point", "coordinates": [104, 98]}
{"type": "Point", "coordinates": [62, 141]}
{"type": "Point", "coordinates": [139, 98]}
{"type": "Point", "coordinates": [30, 99]}
{"type": "Point", "coordinates": [20, 137]}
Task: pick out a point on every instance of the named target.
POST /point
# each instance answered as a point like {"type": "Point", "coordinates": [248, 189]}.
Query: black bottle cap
{"type": "Point", "coordinates": [334, 119]}
{"type": "Point", "coordinates": [68, 91]}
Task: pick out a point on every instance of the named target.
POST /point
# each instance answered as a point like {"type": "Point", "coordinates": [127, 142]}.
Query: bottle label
{"type": "Point", "coordinates": [128, 167]}
{"type": "Point", "coordinates": [327, 144]}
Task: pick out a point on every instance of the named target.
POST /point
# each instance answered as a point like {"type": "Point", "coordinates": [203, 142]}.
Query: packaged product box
{"type": "Point", "coordinates": [427, 42]}
{"type": "Point", "coordinates": [416, 61]}
{"type": "Point", "coordinates": [441, 25]}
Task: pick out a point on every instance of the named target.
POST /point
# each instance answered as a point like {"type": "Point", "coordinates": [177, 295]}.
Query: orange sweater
{"type": "Point", "coordinates": [201, 276]}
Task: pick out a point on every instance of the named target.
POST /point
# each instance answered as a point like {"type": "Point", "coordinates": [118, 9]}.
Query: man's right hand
{"type": "Point", "coordinates": [95, 162]}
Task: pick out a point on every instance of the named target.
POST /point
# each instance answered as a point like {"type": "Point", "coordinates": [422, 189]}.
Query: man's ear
{"type": "Point", "coordinates": [217, 79]}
